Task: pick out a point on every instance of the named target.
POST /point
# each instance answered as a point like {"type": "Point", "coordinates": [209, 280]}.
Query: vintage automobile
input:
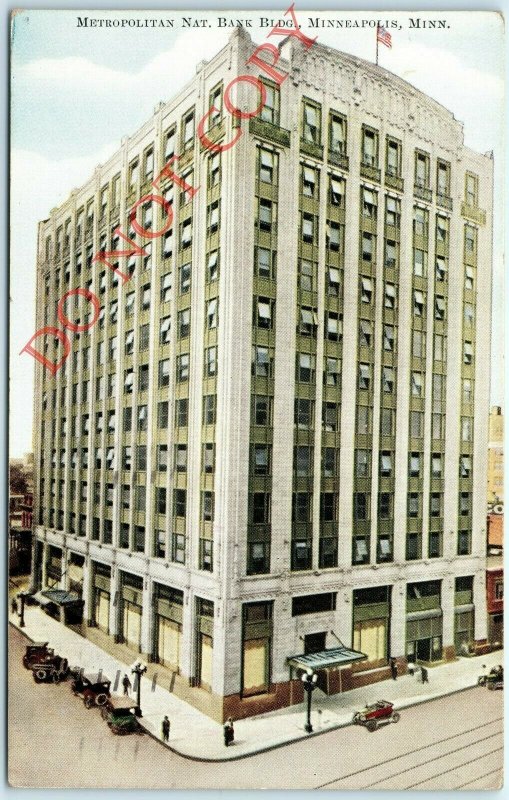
{"type": "Point", "coordinates": [50, 668]}
{"type": "Point", "coordinates": [375, 715]}
{"type": "Point", "coordinates": [119, 714]}
{"type": "Point", "coordinates": [494, 679]}
{"type": "Point", "coordinates": [35, 652]}
{"type": "Point", "coordinates": [93, 691]}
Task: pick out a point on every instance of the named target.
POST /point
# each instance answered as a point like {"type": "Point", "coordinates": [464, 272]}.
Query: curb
{"type": "Point", "coordinates": [397, 705]}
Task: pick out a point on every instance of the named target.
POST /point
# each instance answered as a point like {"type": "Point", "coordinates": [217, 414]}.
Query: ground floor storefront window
{"type": "Point", "coordinates": [371, 614]}
{"type": "Point", "coordinates": [168, 604]}
{"type": "Point", "coordinates": [205, 641]}
{"type": "Point", "coordinates": [131, 610]}
{"type": "Point", "coordinates": [256, 647]}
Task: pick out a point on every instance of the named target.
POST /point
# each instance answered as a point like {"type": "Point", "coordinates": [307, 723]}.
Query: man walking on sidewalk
{"type": "Point", "coordinates": [394, 669]}
{"type": "Point", "coordinates": [126, 683]}
{"type": "Point", "coordinates": [424, 675]}
{"type": "Point", "coordinates": [165, 729]}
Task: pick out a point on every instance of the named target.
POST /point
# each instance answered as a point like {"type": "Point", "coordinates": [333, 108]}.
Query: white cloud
{"type": "Point", "coordinates": [159, 78]}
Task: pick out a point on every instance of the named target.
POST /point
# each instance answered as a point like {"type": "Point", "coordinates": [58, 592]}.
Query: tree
{"type": "Point", "coordinates": [17, 480]}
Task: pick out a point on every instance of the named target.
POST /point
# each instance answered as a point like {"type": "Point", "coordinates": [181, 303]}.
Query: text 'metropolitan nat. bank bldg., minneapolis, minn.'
{"type": "Point", "coordinates": [271, 448]}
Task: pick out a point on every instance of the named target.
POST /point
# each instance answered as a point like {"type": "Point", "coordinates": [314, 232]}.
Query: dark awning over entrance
{"type": "Point", "coordinates": [58, 596]}
{"type": "Point", "coordinates": [326, 659]}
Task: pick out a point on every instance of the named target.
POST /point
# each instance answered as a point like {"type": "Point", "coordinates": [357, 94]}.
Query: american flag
{"type": "Point", "coordinates": [383, 36]}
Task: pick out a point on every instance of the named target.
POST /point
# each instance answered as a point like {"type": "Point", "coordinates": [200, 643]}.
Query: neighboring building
{"type": "Point", "coordinates": [273, 443]}
{"type": "Point", "coordinates": [496, 458]}
{"type": "Point", "coordinates": [495, 533]}
{"type": "Point", "coordinates": [20, 533]}
{"type": "Point", "coordinates": [495, 600]}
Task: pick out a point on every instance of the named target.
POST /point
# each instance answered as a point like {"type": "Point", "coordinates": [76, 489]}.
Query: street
{"type": "Point", "coordinates": [55, 742]}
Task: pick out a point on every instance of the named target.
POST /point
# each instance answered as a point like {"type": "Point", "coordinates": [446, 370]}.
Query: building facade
{"type": "Point", "coordinates": [496, 459]}
{"type": "Point", "coordinates": [274, 439]}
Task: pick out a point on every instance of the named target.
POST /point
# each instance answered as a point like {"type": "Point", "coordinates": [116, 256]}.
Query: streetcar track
{"type": "Point", "coordinates": [478, 778]}
{"type": "Point", "coordinates": [436, 758]}
{"type": "Point", "coordinates": [451, 769]}
{"type": "Point", "coordinates": [402, 755]}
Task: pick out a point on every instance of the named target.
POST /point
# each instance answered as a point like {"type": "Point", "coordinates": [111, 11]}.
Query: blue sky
{"type": "Point", "coordinates": [77, 91]}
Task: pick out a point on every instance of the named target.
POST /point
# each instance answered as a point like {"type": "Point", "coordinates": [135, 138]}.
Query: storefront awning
{"type": "Point", "coordinates": [326, 659]}
{"type": "Point", "coordinates": [58, 596]}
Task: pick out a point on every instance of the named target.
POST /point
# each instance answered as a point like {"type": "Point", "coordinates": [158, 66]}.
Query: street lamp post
{"type": "Point", "coordinates": [138, 669]}
{"type": "Point", "coordinates": [309, 680]}
{"type": "Point", "coordinates": [22, 598]}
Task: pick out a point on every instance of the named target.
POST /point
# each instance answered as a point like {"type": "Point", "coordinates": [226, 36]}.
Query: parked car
{"type": "Point", "coordinates": [50, 668]}
{"type": "Point", "coordinates": [120, 717]}
{"type": "Point", "coordinates": [375, 715]}
{"type": "Point", "coordinates": [94, 692]}
{"type": "Point", "coordinates": [37, 651]}
{"type": "Point", "coordinates": [494, 679]}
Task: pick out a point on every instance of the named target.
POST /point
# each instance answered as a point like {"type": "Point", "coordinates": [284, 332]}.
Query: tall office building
{"type": "Point", "coordinates": [270, 448]}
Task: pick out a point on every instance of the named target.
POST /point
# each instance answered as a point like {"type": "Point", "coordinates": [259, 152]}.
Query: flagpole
{"type": "Point", "coordinates": [376, 62]}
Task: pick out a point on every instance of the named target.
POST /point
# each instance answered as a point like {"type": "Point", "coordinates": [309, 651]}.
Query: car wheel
{"type": "Point", "coordinates": [491, 686]}
{"type": "Point", "coordinates": [371, 725]}
{"type": "Point", "coordinates": [101, 698]}
{"type": "Point", "coordinates": [55, 677]}
{"type": "Point", "coordinates": [395, 717]}
{"type": "Point", "coordinates": [39, 675]}
{"type": "Point", "coordinates": [89, 701]}
{"type": "Point", "coordinates": [481, 680]}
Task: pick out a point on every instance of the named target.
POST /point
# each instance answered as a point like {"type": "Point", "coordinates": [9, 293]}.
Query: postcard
{"type": "Point", "coordinates": [257, 400]}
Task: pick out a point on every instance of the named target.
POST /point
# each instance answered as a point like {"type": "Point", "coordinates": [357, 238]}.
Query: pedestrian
{"type": "Point", "coordinates": [14, 605]}
{"type": "Point", "coordinates": [424, 675]}
{"type": "Point", "coordinates": [126, 683]}
{"type": "Point", "coordinates": [394, 669]}
{"type": "Point", "coordinates": [228, 732]}
{"type": "Point", "coordinates": [165, 729]}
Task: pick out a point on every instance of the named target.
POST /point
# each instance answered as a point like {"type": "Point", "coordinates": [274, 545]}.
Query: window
{"type": "Point", "coordinates": [443, 177]}
{"type": "Point", "coordinates": [305, 368]}
{"type": "Point", "coordinates": [385, 464]}
{"type": "Point", "coordinates": [439, 308]}
{"type": "Point", "coordinates": [436, 465]}
{"type": "Point", "coordinates": [416, 424]}
{"type": "Point", "coordinates": [302, 460]}
{"type": "Point", "coordinates": [420, 221]}
{"type": "Point", "coordinates": [465, 466]}
{"type": "Point", "coordinates": [442, 229]}
{"type": "Point", "coordinates": [162, 457]}
{"type": "Point", "coordinates": [270, 111]}
{"type": "Point", "coordinates": [421, 170]}
{"type": "Point", "coordinates": [181, 457]}
{"type": "Point", "coordinates": [169, 144]}
{"type": "Point", "coordinates": [260, 456]}
{"type": "Point", "coordinates": [364, 376]}
{"type": "Point", "coordinates": [369, 147]}
{"type": "Point", "coordinates": [303, 416]}
{"type": "Point", "coordinates": [145, 297]}
{"type": "Point", "coordinates": [208, 457]}
{"type": "Point", "coordinates": [367, 246]}
{"type": "Point", "coordinates": [260, 508]}
{"type": "Point", "coordinates": [214, 167]}
{"type": "Point", "coordinates": [388, 379]}
{"type": "Point", "coordinates": [333, 234]}
{"type": "Point", "coordinates": [213, 266]}
{"type": "Point", "coordinates": [307, 276]}
{"type": "Point", "coordinates": [418, 303]}
{"type": "Point", "coordinates": [182, 368]}
{"type": "Point", "coordinates": [471, 189]}
{"type": "Point", "coordinates": [332, 371]}
{"type": "Point", "coordinates": [267, 165]}
{"type": "Point", "coordinates": [184, 323]}
{"type": "Point", "coordinates": [178, 548]}
{"type": "Point", "coordinates": [185, 233]}
{"type": "Point", "coordinates": [210, 362]}
{"type": "Point", "coordinates": [390, 253]}
{"type": "Point", "coordinates": [420, 259]}
{"type": "Point", "coordinates": [165, 330]}
{"type": "Point", "coordinates": [470, 239]}
{"type": "Point", "coordinates": [330, 416]}
{"type": "Point", "coordinates": [263, 312]}
{"type": "Point", "coordinates": [413, 507]}
{"type": "Point", "coordinates": [216, 101]}
{"type": "Point", "coordinates": [181, 410]}
{"type": "Point", "coordinates": [329, 462]}
{"type": "Point", "coordinates": [393, 157]}
{"type": "Point", "coordinates": [387, 421]}
{"type": "Point", "coordinates": [360, 550]}
{"type": "Point", "coordinates": [469, 278]}
{"type": "Point", "coordinates": [362, 463]}
{"type": "Point", "coordinates": [311, 123]}
{"type": "Point", "coordinates": [262, 362]}
{"type": "Point", "coordinates": [333, 282]}
{"type": "Point", "coordinates": [308, 228]}
{"type": "Point", "coordinates": [468, 315]}
{"type": "Point", "coordinates": [414, 465]}
{"type": "Point", "coordinates": [361, 506]}
{"type": "Point", "coordinates": [369, 203]}
{"type": "Point", "coordinates": [390, 296]}
{"type": "Point", "coordinates": [435, 505]}
{"type": "Point", "coordinates": [467, 353]}
{"type": "Point", "coordinates": [128, 380]}
{"type": "Point", "coordinates": [164, 373]}
{"type": "Point", "coordinates": [334, 328]}
{"type": "Point", "coordinates": [388, 338]}
{"type": "Point", "coordinates": [337, 134]}
{"type": "Point", "coordinates": [363, 420]}
{"type": "Point", "coordinates": [264, 260]}
{"type": "Point", "coordinates": [162, 414]}
{"type": "Point", "coordinates": [265, 214]}
{"type": "Point", "coordinates": [392, 212]}
{"type": "Point", "coordinates": [179, 502]}
{"type": "Point", "coordinates": [366, 289]}
{"type": "Point", "coordinates": [142, 418]}
{"type": "Point", "coordinates": [465, 504]}
{"type": "Point", "coordinates": [309, 182]}
{"type": "Point", "coordinates": [336, 191]}
{"type": "Point", "coordinates": [385, 506]}
{"type": "Point", "coordinates": [261, 410]}
{"type": "Point", "coordinates": [417, 384]}
{"type": "Point", "coordinates": [188, 130]}
{"type": "Point", "coordinates": [308, 322]}
{"type": "Point", "coordinates": [141, 457]}
{"type": "Point", "coordinates": [365, 333]}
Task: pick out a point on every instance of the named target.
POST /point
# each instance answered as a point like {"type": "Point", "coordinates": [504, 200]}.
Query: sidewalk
{"type": "Point", "coordinates": [196, 736]}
